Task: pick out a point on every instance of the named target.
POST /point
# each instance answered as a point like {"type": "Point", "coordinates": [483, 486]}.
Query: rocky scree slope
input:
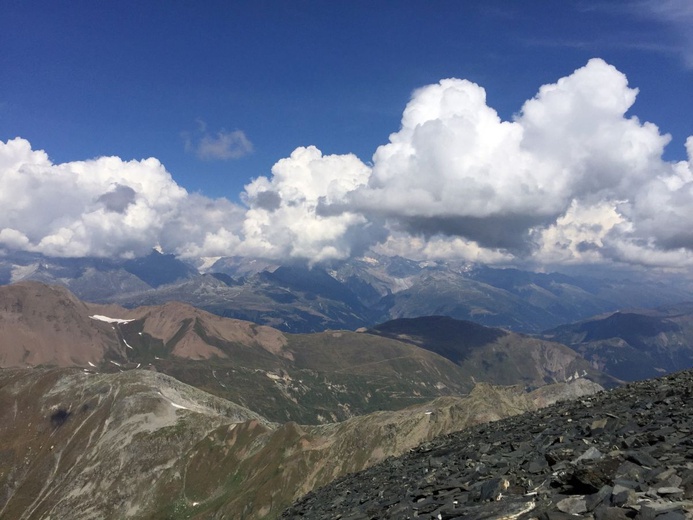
{"type": "Point", "coordinates": [625, 453]}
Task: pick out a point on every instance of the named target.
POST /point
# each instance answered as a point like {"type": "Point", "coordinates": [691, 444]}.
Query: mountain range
{"type": "Point", "coordinates": [173, 412]}
{"type": "Point", "coordinates": [308, 378]}
{"type": "Point", "coordinates": [146, 389]}
{"type": "Point", "coordinates": [350, 294]}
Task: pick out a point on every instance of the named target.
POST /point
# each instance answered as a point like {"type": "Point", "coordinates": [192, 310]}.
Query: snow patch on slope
{"type": "Point", "coordinates": [106, 319]}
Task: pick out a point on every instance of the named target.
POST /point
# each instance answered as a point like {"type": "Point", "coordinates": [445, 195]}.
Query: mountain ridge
{"type": "Point", "coordinates": [252, 417]}
{"type": "Point", "coordinates": [349, 294]}
{"type": "Point", "coordinates": [308, 378]}
{"type": "Point", "coordinates": [506, 357]}
{"type": "Point", "coordinates": [140, 444]}
{"type": "Point", "coordinates": [633, 344]}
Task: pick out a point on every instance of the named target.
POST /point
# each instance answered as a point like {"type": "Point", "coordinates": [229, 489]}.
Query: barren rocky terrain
{"type": "Point", "coordinates": [624, 453]}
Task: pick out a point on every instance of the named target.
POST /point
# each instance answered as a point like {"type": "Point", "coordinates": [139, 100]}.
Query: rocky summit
{"type": "Point", "coordinates": [625, 453]}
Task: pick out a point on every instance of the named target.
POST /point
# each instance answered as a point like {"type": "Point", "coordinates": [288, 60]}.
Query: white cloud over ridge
{"type": "Point", "coordinates": [572, 179]}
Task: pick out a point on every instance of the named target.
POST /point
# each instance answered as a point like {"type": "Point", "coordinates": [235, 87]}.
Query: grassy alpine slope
{"type": "Point", "coordinates": [139, 444]}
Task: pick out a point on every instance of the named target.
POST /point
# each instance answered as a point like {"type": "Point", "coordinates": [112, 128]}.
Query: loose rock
{"type": "Point", "coordinates": [623, 454]}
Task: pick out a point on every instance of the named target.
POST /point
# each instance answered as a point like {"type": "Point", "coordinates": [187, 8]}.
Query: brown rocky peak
{"type": "Point", "coordinates": [198, 333]}
{"type": "Point", "coordinates": [41, 324]}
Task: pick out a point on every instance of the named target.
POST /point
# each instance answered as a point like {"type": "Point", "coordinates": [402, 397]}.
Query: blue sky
{"type": "Point", "coordinates": [222, 92]}
{"type": "Point", "coordinates": [84, 79]}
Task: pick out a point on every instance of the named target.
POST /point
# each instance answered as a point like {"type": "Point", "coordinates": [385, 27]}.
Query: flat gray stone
{"type": "Point", "coordinates": [669, 491]}
{"type": "Point", "coordinates": [573, 505]}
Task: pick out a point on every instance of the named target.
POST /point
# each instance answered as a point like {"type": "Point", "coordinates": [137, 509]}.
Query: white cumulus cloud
{"type": "Point", "coordinates": [573, 178]}
{"type": "Point", "coordinates": [102, 207]}
{"type": "Point", "coordinates": [284, 218]}
{"type": "Point", "coordinates": [455, 168]}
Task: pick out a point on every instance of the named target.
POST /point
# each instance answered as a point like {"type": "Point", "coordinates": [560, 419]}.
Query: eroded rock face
{"type": "Point", "coordinates": [627, 453]}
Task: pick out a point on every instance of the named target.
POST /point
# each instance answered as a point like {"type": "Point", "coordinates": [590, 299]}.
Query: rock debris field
{"type": "Point", "coordinates": [625, 453]}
